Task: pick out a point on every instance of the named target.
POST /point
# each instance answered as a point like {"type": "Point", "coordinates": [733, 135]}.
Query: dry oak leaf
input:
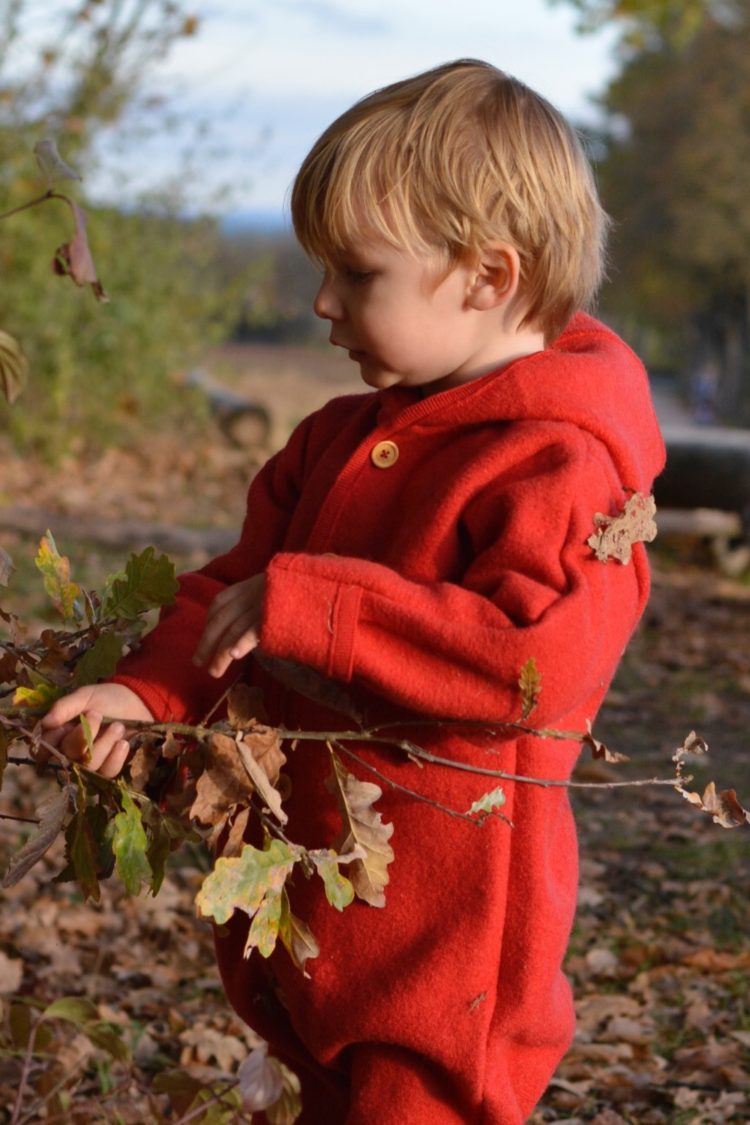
{"type": "Point", "coordinates": [615, 535]}
{"type": "Point", "coordinates": [262, 758]}
{"type": "Point", "coordinates": [245, 706]}
{"type": "Point", "coordinates": [363, 827]}
{"type": "Point", "coordinates": [598, 749]}
{"type": "Point", "coordinates": [724, 808]}
{"type": "Point", "coordinates": [223, 784]}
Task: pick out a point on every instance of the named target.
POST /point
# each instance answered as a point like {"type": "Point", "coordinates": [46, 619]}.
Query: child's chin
{"type": "Point", "coordinates": [376, 377]}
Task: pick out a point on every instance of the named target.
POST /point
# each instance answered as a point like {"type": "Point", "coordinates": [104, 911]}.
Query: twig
{"type": "Point", "coordinates": [413, 793]}
{"type": "Point", "coordinates": [21, 819]}
{"type": "Point", "coordinates": [49, 194]}
{"type": "Point", "coordinates": [215, 1099]}
{"type": "Point", "coordinates": [371, 735]}
{"type": "Point", "coordinates": [25, 1069]}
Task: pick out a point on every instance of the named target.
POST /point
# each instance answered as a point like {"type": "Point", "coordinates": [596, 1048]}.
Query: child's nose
{"type": "Point", "coordinates": [326, 304]}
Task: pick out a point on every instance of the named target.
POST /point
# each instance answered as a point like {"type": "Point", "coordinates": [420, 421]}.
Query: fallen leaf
{"type": "Point", "coordinates": [259, 1080]}
{"type": "Point", "coordinates": [11, 974]}
{"type": "Point", "coordinates": [615, 535]}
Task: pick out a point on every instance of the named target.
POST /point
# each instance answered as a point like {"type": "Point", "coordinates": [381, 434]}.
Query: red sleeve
{"type": "Point", "coordinates": [161, 672]}
{"type": "Point", "coordinates": [534, 590]}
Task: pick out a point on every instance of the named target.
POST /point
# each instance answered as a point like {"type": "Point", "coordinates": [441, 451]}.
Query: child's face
{"type": "Point", "coordinates": [402, 318]}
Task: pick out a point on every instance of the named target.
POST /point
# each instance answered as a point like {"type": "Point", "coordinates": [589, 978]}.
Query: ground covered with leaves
{"type": "Point", "coordinates": [660, 957]}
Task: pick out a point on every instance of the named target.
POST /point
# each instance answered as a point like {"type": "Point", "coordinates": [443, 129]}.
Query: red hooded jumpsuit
{"type": "Point", "coordinates": [424, 581]}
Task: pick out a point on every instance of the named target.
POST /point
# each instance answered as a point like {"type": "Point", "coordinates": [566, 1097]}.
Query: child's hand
{"type": "Point", "coordinates": [232, 625]}
{"type": "Point", "coordinates": [63, 730]}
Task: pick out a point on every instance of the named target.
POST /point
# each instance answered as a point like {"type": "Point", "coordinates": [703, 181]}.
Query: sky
{"type": "Point", "coordinates": [263, 78]}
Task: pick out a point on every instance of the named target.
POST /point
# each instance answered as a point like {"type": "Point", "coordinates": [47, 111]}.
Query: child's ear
{"type": "Point", "coordinates": [496, 278]}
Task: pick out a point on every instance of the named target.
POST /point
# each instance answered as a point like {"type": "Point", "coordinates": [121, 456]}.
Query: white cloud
{"type": "Point", "coordinates": [290, 66]}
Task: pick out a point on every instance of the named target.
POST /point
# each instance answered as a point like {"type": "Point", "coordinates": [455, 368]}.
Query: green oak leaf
{"type": "Point", "coordinates": [339, 889]}
{"type": "Point", "coordinates": [147, 582]}
{"type": "Point", "coordinates": [129, 844]}
{"type": "Point", "coordinates": [100, 661]}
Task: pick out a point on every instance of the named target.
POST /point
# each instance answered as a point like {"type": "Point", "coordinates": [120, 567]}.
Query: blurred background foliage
{"type": "Point", "coordinates": [177, 281]}
{"type": "Point", "coordinates": [673, 160]}
{"type": "Point", "coordinates": [672, 149]}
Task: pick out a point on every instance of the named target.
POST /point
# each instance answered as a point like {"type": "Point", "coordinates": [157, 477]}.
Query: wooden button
{"type": "Point", "coordinates": [384, 454]}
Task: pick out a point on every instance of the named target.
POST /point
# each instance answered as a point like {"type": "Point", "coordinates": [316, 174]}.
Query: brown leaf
{"type": "Point", "coordinates": [11, 974]}
{"type": "Point", "coordinates": [52, 814]}
{"type": "Point", "coordinates": [306, 681]}
{"type": "Point", "coordinates": [599, 750]}
{"type": "Point", "coordinates": [363, 827]}
{"type": "Point", "coordinates": [73, 259]}
{"type": "Point", "coordinates": [296, 936]}
{"type": "Point", "coordinates": [236, 835]}
{"type": "Point", "coordinates": [615, 535]}
{"type": "Point", "coordinates": [245, 706]}
{"type": "Point", "coordinates": [530, 683]}
{"type": "Point", "coordinates": [264, 744]}
{"type": "Point", "coordinates": [723, 807]}
{"type": "Point", "coordinates": [143, 763]}
{"type": "Point", "coordinates": [257, 771]}
{"type": "Point", "coordinates": [223, 784]}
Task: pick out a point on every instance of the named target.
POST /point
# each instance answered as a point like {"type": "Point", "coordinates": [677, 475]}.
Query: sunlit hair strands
{"type": "Point", "coordinates": [454, 159]}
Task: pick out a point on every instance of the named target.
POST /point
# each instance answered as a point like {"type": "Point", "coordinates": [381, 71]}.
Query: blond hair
{"type": "Point", "coordinates": [452, 160]}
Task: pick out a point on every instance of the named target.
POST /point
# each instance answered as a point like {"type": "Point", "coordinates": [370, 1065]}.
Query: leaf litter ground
{"type": "Point", "coordinates": [660, 956]}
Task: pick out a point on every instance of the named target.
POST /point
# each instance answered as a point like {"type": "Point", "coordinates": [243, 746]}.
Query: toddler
{"type": "Point", "coordinates": [418, 544]}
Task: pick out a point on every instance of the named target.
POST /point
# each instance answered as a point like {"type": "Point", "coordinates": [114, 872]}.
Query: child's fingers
{"type": "Point", "coordinates": [74, 744]}
{"type": "Point", "coordinates": [116, 759]}
{"type": "Point", "coordinates": [233, 612]}
{"type": "Point", "coordinates": [67, 708]}
{"type": "Point", "coordinates": [233, 650]}
{"type": "Point", "coordinates": [234, 638]}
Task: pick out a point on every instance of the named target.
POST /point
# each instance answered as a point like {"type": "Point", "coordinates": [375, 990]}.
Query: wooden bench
{"type": "Point", "coordinates": [704, 491]}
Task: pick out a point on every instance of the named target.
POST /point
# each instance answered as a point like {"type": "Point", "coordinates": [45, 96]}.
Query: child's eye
{"type": "Point", "coordinates": [358, 277]}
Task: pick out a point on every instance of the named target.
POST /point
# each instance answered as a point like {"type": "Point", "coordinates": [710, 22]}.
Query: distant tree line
{"type": "Point", "coordinates": [674, 167]}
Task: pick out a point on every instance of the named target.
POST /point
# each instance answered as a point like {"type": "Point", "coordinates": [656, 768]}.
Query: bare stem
{"type": "Point", "coordinates": [49, 194]}
{"type": "Point", "coordinates": [412, 792]}
{"type": "Point", "coordinates": [25, 1070]}
{"type": "Point", "coordinates": [21, 819]}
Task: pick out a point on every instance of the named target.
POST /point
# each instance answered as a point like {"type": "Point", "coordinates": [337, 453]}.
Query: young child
{"type": "Point", "coordinates": [419, 543]}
